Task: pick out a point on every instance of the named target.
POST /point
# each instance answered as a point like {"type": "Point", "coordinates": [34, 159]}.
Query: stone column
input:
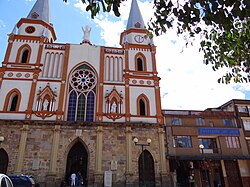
{"type": "Point", "coordinates": [163, 164]}
{"type": "Point", "coordinates": [51, 176]}
{"type": "Point", "coordinates": [129, 171]}
{"type": "Point", "coordinates": [21, 149]}
{"type": "Point", "coordinates": [98, 159]}
{"type": "Point", "coordinates": [55, 145]}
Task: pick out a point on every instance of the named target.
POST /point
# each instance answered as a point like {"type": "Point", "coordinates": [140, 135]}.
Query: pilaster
{"type": "Point", "coordinates": [99, 108]}
{"type": "Point", "coordinates": [165, 179]}
{"type": "Point", "coordinates": [32, 94]}
{"type": "Point", "coordinates": [21, 149]}
{"type": "Point", "coordinates": [98, 175]}
{"type": "Point", "coordinates": [63, 83]}
{"type": "Point", "coordinates": [54, 151]}
{"type": "Point", "coordinates": [129, 171]}
{"type": "Point", "coordinates": [127, 92]}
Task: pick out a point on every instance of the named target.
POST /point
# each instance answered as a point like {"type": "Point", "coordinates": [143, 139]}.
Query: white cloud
{"type": "Point", "coordinates": [110, 30]}
{"type": "Point", "coordinates": [2, 24]}
{"type": "Point", "coordinates": [186, 83]}
{"type": "Point", "coordinates": [80, 5]}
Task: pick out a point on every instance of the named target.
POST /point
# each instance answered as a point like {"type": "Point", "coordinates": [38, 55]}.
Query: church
{"type": "Point", "coordinates": [68, 108]}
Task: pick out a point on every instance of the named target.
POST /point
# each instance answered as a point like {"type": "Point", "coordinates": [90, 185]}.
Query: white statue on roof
{"type": "Point", "coordinates": [86, 34]}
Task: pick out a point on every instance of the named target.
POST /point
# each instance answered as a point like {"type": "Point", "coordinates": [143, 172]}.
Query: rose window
{"type": "Point", "coordinates": [83, 80]}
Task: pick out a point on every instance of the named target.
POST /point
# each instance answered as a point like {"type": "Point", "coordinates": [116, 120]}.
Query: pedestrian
{"type": "Point", "coordinates": [73, 179]}
{"type": "Point", "coordinates": [79, 179]}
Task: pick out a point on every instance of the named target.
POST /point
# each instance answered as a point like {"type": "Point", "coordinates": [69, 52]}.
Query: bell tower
{"type": "Point", "coordinates": [24, 58]}
{"type": "Point", "coordinates": [135, 32]}
{"type": "Point", "coordinates": [140, 74]}
{"type": "Point", "coordinates": [37, 22]}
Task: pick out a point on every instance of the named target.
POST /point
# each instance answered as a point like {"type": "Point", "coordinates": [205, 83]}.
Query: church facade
{"type": "Point", "coordinates": [69, 108]}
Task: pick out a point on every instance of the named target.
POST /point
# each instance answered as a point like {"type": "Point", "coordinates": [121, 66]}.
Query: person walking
{"type": "Point", "coordinates": [79, 179]}
{"type": "Point", "coordinates": [73, 179]}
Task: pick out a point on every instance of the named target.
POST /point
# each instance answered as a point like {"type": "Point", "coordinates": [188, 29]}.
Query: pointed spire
{"type": "Point", "coordinates": [135, 19]}
{"type": "Point", "coordinates": [40, 11]}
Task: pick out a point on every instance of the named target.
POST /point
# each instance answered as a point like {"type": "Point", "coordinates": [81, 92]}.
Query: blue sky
{"type": "Point", "coordinates": [186, 83]}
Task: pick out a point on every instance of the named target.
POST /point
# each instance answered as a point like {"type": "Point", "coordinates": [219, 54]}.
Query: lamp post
{"type": "Point", "coordinates": [135, 140]}
{"type": "Point", "coordinates": [201, 146]}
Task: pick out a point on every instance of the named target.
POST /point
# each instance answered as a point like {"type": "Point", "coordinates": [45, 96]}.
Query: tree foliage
{"type": "Point", "coordinates": [223, 26]}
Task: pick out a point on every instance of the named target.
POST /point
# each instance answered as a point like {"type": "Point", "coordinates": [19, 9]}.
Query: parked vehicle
{"type": "Point", "coordinates": [23, 181]}
{"type": "Point", "coordinates": [5, 181]}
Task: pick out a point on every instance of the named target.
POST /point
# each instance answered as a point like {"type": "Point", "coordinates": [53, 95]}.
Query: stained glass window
{"type": "Point", "coordinates": [90, 107]}
{"type": "Point", "coordinates": [83, 84]}
{"type": "Point", "coordinates": [81, 108]}
{"type": "Point", "coordinates": [72, 106]}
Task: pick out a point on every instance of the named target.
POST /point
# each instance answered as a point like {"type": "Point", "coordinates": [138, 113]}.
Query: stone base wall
{"type": "Point", "coordinates": [39, 146]}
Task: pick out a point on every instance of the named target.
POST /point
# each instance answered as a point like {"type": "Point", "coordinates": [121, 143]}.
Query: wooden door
{"type": "Point", "coordinates": [146, 170]}
{"type": "Point", "coordinates": [233, 173]}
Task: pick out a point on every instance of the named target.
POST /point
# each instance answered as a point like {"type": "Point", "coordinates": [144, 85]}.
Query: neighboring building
{"type": "Point", "coordinates": [77, 107]}
{"type": "Point", "coordinates": [208, 148]}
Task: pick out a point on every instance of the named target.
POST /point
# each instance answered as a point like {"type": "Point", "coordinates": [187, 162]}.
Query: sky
{"type": "Point", "coordinates": [186, 83]}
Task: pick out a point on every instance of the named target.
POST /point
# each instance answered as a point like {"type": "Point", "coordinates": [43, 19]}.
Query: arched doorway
{"type": "Point", "coordinates": [77, 161]}
{"type": "Point", "coordinates": [4, 160]}
{"type": "Point", "coordinates": [146, 170]}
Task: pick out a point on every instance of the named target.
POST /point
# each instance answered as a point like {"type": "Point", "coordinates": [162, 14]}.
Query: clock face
{"type": "Point", "coordinates": [139, 38]}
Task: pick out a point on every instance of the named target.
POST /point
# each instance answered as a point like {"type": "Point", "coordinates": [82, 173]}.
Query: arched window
{"type": "Point", "coordinates": [139, 64]}
{"type": "Point", "coordinates": [72, 106]}
{"type": "Point", "coordinates": [143, 108]}
{"type": "Point", "coordinates": [25, 56]}
{"type": "Point", "coordinates": [12, 100]}
{"type": "Point", "coordinates": [90, 107]}
{"type": "Point", "coordinates": [13, 104]}
{"type": "Point", "coordinates": [82, 86]}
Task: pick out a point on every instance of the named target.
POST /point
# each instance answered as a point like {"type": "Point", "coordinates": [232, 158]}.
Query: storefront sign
{"type": "Point", "coordinates": [215, 131]}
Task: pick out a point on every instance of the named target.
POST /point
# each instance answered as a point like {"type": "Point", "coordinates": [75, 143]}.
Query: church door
{"type": "Point", "coordinates": [4, 160]}
{"type": "Point", "coordinates": [77, 161]}
{"type": "Point", "coordinates": [146, 170]}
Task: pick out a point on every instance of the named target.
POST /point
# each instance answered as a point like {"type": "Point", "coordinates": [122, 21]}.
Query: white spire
{"type": "Point", "coordinates": [135, 19]}
{"type": "Point", "coordinates": [40, 11]}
